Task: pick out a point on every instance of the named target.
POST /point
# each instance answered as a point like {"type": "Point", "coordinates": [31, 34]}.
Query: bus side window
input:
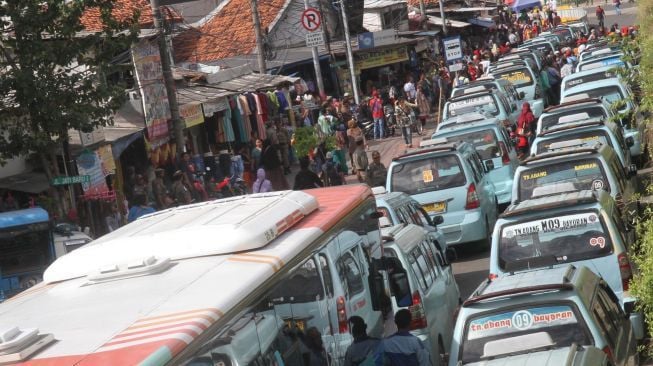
{"type": "Point", "coordinates": [350, 274]}
{"type": "Point", "coordinates": [326, 275]}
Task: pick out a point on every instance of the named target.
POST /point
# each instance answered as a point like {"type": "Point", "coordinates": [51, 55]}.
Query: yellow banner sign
{"type": "Point", "coordinates": [368, 60]}
{"type": "Point", "coordinates": [191, 114]}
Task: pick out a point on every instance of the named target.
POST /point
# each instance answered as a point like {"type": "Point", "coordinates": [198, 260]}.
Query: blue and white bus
{"type": "Point", "coordinates": [26, 249]}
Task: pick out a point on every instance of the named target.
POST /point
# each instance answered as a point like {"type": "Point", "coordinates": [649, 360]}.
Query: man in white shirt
{"type": "Point", "coordinates": [409, 89]}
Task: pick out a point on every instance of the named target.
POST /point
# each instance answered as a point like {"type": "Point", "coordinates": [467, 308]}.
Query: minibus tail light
{"type": "Point", "coordinates": [343, 327]}
{"type": "Point", "coordinates": [417, 312]}
{"type": "Point", "coordinates": [626, 270]}
{"type": "Point", "coordinates": [473, 201]}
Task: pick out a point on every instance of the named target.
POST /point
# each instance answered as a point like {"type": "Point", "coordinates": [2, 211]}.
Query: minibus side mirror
{"type": "Point", "coordinates": [630, 141]}
{"type": "Point", "coordinates": [437, 220]}
{"type": "Point", "coordinates": [451, 255]}
{"type": "Point", "coordinates": [489, 165]}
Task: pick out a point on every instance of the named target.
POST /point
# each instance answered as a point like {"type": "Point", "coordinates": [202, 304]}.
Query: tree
{"type": "Point", "coordinates": [52, 74]}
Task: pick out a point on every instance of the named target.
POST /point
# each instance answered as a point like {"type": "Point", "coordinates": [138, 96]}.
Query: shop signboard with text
{"type": "Point", "coordinates": [452, 48]}
{"type": "Point", "coordinates": [89, 163]}
{"type": "Point", "coordinates": [149, 77]}
{"type": "Point", "coordinates": [368, 60]}
{"type": "Point", "coordinates": [191, 114]}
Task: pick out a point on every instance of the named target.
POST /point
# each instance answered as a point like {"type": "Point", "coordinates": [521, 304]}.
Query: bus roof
{"type": "Point", "coordinates": [23, 217]}
{"type": "Point", "coordinates": [159, 305]}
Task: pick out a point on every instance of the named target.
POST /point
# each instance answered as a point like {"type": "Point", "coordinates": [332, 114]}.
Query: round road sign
{"type": "Point", "coordinates": [311, 19]}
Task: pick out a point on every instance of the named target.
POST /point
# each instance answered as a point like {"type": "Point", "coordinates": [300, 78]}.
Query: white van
{"type": "Point", "coordinates": [400, 208]}
{"type": "Point", "coordinates": [421, 280]}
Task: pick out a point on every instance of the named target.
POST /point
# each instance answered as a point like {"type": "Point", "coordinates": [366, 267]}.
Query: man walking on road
{"type": "Point", "coordinates": [402, 348]}
{"type": "Point", "coordinates": [376, 106]}
{"type": "Point", "coordinates": [600, 15]}
{"type": "Point", "coordinates": [360, 160]}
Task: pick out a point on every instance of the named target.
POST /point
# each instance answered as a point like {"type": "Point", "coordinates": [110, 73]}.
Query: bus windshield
{"type": "Point", "coordinates": [25, 248]}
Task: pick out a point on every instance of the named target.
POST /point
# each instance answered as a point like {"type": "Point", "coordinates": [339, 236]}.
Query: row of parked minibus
{"type": "Point", "coordinates": [559, 222]}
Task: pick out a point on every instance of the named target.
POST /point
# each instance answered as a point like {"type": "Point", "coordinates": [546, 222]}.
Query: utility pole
{"type": "Point", "coordinates": [350, 53]}
{"type": "Point", "coordinates": [259, 40]}
{"type": "Point", "coordinates": [168, 79]}
{"type": "Point", "coordinates": [444, 20]}
{"type": "Point", "coordinates": [422, 10]}
{"type": "Point", "coordinates": [316, 62]}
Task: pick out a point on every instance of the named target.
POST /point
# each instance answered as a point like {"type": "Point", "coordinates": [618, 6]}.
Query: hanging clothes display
{"type": "Point", "coordinates": [283, 102]}
{"type": "Point", "coordinates": [236, 111]}
{"type": "Point", "coordinates": [259, 128]}
{"type": "Point", "coordinates": [263, 107]}
{"type": "Point", "coordinates": [229, 134]}
{"type": "Point", "coordinates": [273, 103]}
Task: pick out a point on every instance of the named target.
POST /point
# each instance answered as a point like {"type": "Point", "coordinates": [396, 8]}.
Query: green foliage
{"type": "Point", "coordinates": [642, 284]}
{"type": "Point", "coordinates": [642, 254]}
{"type": "Point", "coordinates": [53, 74]}
{"type": "Point", "coordinates": [306, 139]}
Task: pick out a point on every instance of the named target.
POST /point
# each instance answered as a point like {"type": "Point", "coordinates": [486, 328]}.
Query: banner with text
{"type": "Point", "coordinates": [149, 77]}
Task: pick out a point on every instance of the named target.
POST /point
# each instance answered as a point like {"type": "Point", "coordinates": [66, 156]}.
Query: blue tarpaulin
{"type": "Point", "coordinates": [520, 5]}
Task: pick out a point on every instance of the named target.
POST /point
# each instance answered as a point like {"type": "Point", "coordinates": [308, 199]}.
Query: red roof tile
{"type": "Point", "coordinates": [123, 10]}
{"type": "Point", "coordinates": [229, 33]}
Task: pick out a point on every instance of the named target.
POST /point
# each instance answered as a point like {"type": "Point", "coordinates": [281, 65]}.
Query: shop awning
{"type": "Point", "coordinates": [253, 82]}
{"type": "Point", "coordinates": [29, 182]}
{"type": "Point", "coordinates": [520, 5]}
{"type": "Point", "coordinates": [201, 93]}
{"type": "Point", "coordinates": [450, 23]}
{"type": "Point", "coordinates": [483, 22]}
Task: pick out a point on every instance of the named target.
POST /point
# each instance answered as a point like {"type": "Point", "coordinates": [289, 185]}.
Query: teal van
{"type": "Point", "coordinates": [611, 91]}
{"type": "Point", "coordinates": [492, 142]}
{"type": "Point", "coordinates": [449, 179]}
{"type": "Point", "coordinates": [517, 319]}
{"type": "Point", "coordinates": [583, 228]}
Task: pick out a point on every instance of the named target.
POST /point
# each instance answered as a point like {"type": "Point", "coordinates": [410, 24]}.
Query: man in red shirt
{"type": "Point", "coordinates": [376, 106]}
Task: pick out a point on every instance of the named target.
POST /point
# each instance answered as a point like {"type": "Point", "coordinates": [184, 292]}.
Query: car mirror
{"type": "Point", "coordinates": [451, 255]}
{"type": "Point", "coordinates": [629, 308]}
{"type": "Point", "coordinates": [630, 141]}
{"type": "Point", "coordinates": [489, 165]}
{"type": "Point", "coordinates": [632, 171]}
{"type": "Point", "coordinates": [522, 95]}
{"type": "Point", "coordinates": [437, 220]}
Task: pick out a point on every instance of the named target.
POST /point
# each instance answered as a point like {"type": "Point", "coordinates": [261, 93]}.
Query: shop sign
{"type": "Point", "coordinates": [389, 56]}
{"type": "Point", "coordinates": [89, 163]}
{"type": "Point", "coordinates": [452, 48]}
{"type": "Point", "coordinates": [149, 77]}
{"type": "Point", "coordinates": [191, 114]}
{"type": "Point", "coordinates": [90, 138]}
{"type": "Point", "coordinates": [218, 105]}
{"type": "Point", "coordinates": [376, 39]}
{"type": "Point", "coordinates": [105, 153]}
{"type": "Point", "coordinates": [65, 181]}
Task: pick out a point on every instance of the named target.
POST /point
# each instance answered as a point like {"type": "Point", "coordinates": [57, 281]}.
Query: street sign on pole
{"type": "Point", "coordinates": [452, 49]}
{"type": "Point", "coordinates": [311, 19]}
{"type": "Point", "coordinates": [314, 39]}
{"type": "Point", "coordinates": [65, 181]}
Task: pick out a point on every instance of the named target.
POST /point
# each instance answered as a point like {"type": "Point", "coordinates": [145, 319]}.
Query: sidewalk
{"type": "Point", "coordinates": [388, 147]}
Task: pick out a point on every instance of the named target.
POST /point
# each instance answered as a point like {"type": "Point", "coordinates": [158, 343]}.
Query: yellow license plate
{"type": "Point", "coordinates": [296, 323]}
{"type": "Point", "coordinates": [435, 207]}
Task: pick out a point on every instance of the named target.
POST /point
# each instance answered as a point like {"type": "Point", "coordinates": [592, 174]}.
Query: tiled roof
{"type": "Point", "coordinates": [228, 33]}
{"type": "Point", "coordinates": [123, 10]}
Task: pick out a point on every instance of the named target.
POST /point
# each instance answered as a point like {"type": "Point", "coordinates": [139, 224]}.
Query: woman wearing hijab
{"type": "Point", "coordinates": [261, 185]}
{"type": "Point", "coordinates": [524, 128]}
